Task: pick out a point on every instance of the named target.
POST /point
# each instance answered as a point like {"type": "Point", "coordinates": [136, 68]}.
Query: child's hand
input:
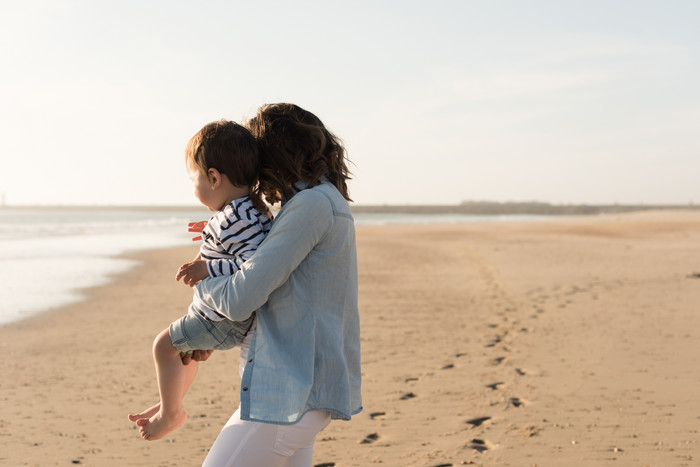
{"type": "Point", "coordinates": [196, 227]}
{"type": "Point", "coordinates": [193, 272]}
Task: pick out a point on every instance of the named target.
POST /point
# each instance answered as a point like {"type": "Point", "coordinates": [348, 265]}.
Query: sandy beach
{"type": "Point", "coordinates": [567, 342]}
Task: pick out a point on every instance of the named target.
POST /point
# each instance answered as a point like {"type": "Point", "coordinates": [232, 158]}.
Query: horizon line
{"type": "Point", "coordinates": [463, 205]}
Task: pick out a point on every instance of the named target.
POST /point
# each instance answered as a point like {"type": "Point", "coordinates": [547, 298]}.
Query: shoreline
{"type": "Point", "coordinates": [80, 275]}
{"type": "Point", "coordinates": [570, 341]}
{"type": "Point", "coordinates": [113, 260]}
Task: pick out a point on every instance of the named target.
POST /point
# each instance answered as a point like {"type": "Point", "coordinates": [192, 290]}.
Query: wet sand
{"type": "Point", "coordinates": [567, 342]}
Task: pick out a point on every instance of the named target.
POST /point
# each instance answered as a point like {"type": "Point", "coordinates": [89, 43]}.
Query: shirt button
{"type": "Point", "coordinates": [245, 389]}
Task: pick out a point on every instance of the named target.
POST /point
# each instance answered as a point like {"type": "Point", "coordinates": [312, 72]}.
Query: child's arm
{"type": "Point", "coordinates": [199, 269]}
{"type": "Point", "coordinates": [238, 237]}
{"type": "Point", "coordinates": [222, 266]}
{"type": "Point", "coordinates": [193, 272]}
{"type": "Point", "coordinates": [190, 272]}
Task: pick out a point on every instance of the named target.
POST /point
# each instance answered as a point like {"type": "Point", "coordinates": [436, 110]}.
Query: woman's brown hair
{"type": "Point", "coordinates": [294, 147]}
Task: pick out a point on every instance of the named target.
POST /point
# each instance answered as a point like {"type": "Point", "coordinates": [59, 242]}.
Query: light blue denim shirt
{"type": "Point", "coordinates": [302, 280]}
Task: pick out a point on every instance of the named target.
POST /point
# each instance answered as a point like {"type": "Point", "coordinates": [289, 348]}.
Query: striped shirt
{"type": "Point", "coordinates": [229, 239]}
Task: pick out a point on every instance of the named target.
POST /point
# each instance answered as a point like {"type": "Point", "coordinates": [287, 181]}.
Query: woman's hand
{"type": "Point", "coordinates": [196, 355]}
{"type": "Point", "coordinates": [196, 227]}
{"type": "Point", "coordinates": [193, 272]}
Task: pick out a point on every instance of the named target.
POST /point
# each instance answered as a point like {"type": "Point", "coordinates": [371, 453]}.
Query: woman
{"type": "Point", "coordinates": [301, 360]}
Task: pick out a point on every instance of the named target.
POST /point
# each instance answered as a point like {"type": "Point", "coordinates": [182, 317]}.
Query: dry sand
{"type": "Point", "coordinates": [570, 342]}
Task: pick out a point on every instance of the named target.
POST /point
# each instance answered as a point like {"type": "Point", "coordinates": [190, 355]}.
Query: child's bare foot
{"type": "Point", "coordinates": [159, 425]}
{"type": "Point", "coordinates": [148, 413]}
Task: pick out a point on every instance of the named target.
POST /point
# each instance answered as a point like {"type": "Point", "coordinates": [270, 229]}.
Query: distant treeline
{"type": "Point", "coordinates": [497, 208]}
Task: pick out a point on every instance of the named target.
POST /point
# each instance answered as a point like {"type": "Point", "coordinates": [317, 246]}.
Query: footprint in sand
{"type": "Point", "coordinates": [516, 402]}
{"type": "Point", "coordinates": [520, 371]}
{"type": "Point", "coordinates": [479, 445]}
{"type": "Point", "coordinates": [497, 360]}
{"type": "Point", "coordinates": [370, 438]}
{"type": "Point", "coordinates": [494, 386]}
{"type": "Point", "coordinates": [449, 366]}
{"type": "Point", "coordinates": [474, 422]}
{"type": "Point", "coordinates": [408, 380]}
{"type": "Point", "coordinates": [374, 415]}
{"type": "Point", "coordinates": [407, 396]}
{"type": "Point", "coordinates": [325, 464]}
{"type": "Point", "coordinates": [496, 340]}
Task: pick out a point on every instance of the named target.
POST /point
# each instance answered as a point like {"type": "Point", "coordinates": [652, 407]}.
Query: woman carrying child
{"type": "Point", "coordinates": [301, 359]}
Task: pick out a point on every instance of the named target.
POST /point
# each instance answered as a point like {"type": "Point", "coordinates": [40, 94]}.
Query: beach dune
{"type": "Point", "coordinates": [563, 342]}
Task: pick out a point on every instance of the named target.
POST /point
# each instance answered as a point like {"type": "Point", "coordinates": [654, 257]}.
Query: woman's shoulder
{"type": "Point", "coordinates": [328, 192]}
{"type": "Point", "coordinates": [323, 198]}
{"type": "Point", "coordinates": [334, 198]}
{"type": "Point", "coordinates": [310, 198]}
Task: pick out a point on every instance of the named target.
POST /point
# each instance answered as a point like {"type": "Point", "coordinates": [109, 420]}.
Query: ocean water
{"type": "Point", "coordinates": [49, 256]}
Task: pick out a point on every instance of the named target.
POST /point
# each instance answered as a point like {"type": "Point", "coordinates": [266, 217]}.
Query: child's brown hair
{"type": "Point", "coordinates": [295, 146]}
{"type": "Point", "coordinates": [231, 149]}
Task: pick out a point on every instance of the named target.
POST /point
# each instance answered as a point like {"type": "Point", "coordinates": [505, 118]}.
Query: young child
{"type": "Point", "coordinates": [222, 161]}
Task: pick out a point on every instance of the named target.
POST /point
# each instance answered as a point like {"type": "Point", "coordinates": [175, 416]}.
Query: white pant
{"type": "Point", "coordinates": [251, 444]}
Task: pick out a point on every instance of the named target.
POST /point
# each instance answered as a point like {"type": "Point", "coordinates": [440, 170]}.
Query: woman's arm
{"type": "Point", "coordinates": [299, 226]}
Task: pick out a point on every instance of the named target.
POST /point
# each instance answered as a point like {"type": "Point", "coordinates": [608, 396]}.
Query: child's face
{"type": "Point", "coordinates": [202, 186]}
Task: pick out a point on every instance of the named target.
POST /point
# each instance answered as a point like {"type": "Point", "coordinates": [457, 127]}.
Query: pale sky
{"type": "Point", "coordinates": [437, 101]}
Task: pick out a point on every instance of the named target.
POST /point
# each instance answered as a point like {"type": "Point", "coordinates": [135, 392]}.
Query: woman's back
{"type": "Point", "coordinates": [305, 353]}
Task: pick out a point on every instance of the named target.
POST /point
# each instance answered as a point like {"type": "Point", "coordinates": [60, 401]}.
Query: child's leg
{"type": "Point", "coordinates": [190, 373]}
{"type": "Point", "coordinates": [172, 382]}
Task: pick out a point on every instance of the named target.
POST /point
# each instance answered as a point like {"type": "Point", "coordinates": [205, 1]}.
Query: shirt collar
{"type": "Point", "coordinates": [296, 188]}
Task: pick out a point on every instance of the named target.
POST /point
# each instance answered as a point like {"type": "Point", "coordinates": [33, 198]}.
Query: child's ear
{"type": "Point", "coordinates": [214, 177]}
